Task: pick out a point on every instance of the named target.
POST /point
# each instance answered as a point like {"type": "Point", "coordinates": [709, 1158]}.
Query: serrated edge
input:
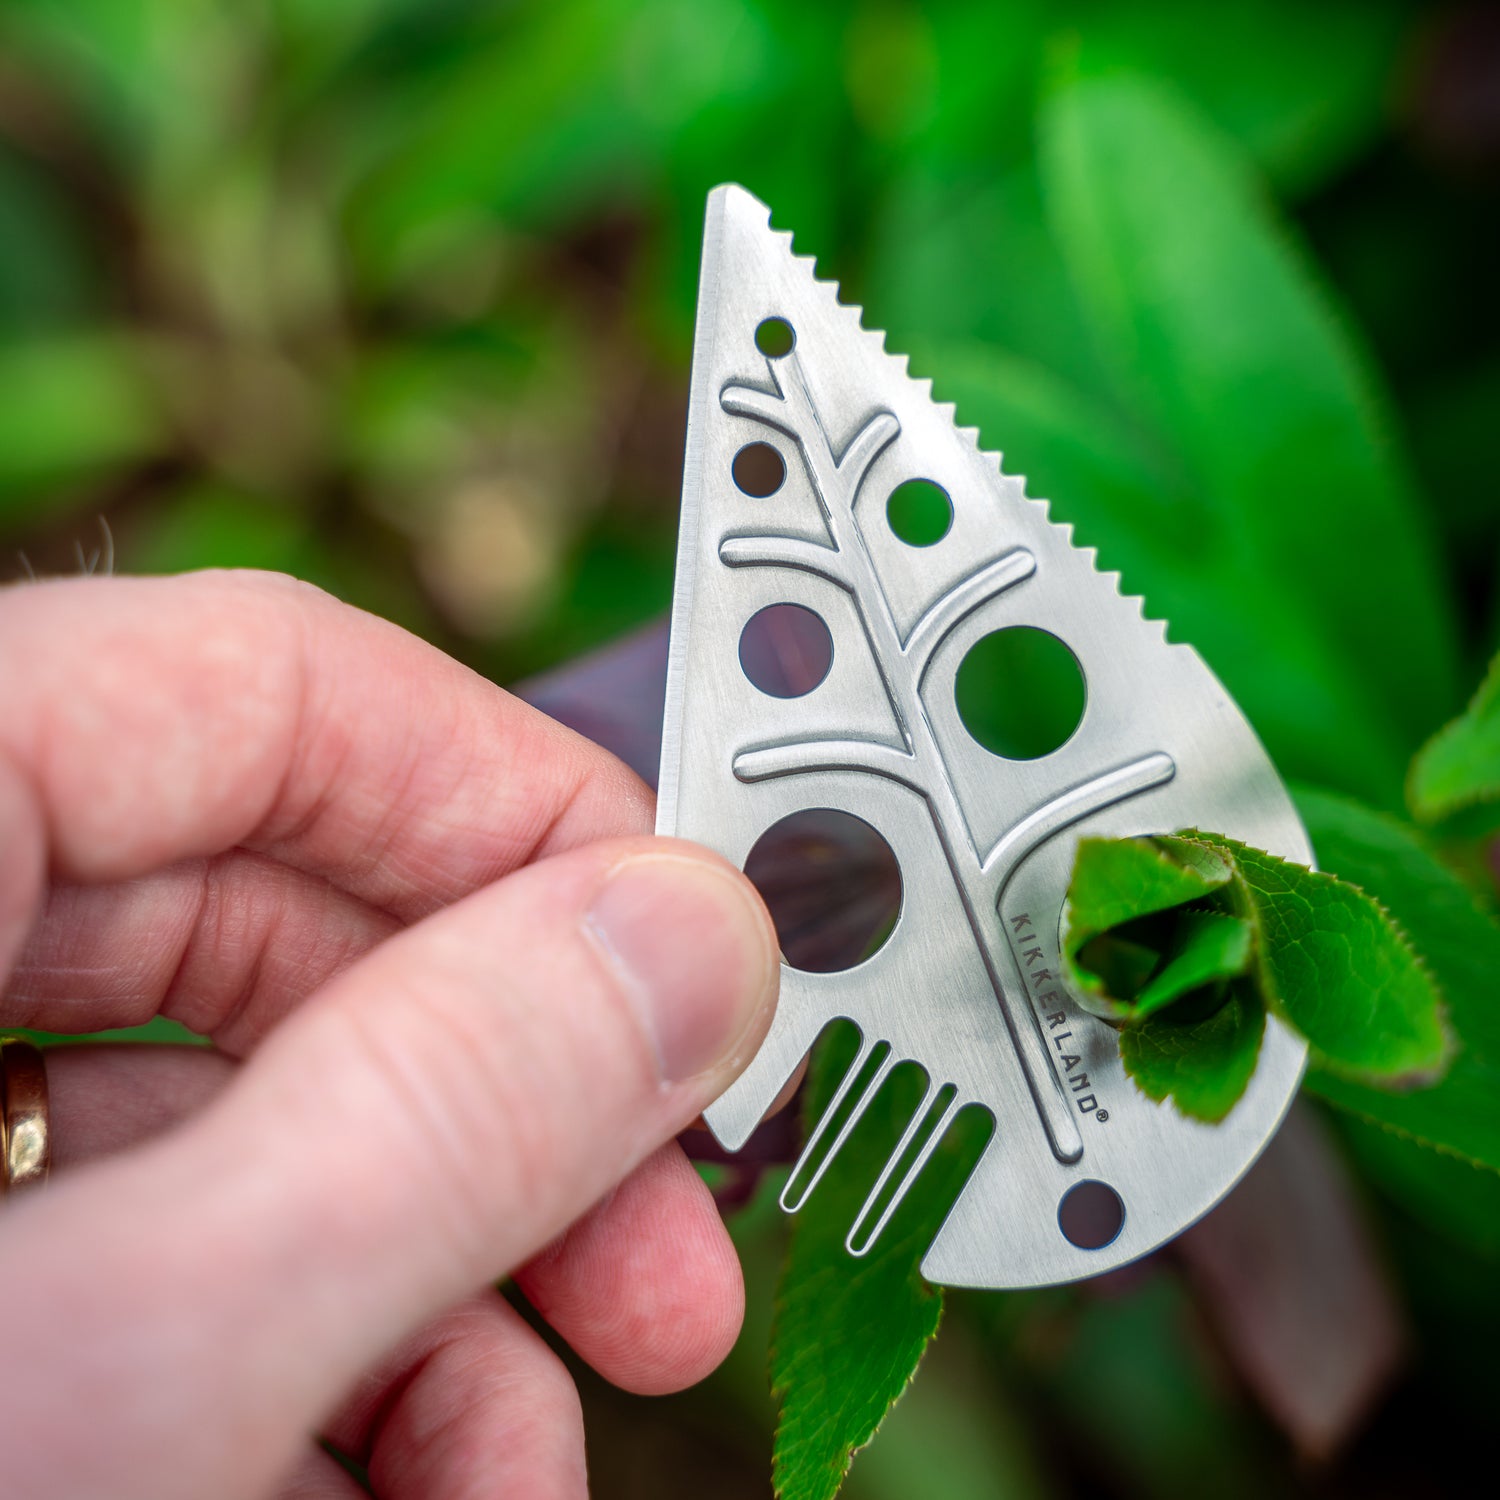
{"type": "Point", "coordinates": [968, 432]}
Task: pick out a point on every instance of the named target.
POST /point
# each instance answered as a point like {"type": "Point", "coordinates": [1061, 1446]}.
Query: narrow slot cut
{"type": "Point", "coordinates": [920, 1139]}
{"type": "Point", "coordinates": [851, 1099]}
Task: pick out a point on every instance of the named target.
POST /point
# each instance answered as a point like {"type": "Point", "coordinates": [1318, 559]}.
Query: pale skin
{"type": "Point", "coordinates": [461, 1003]}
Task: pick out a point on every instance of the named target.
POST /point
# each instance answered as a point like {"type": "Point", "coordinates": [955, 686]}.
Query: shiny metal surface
{"type": "Point", "coordinates": [968, 983]}
{"type": "Point", "coordinates": [25, 1140]}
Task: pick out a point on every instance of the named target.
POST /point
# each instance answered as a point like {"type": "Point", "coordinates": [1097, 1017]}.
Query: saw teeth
{"type": "Point", "coordinates": [924, 385]}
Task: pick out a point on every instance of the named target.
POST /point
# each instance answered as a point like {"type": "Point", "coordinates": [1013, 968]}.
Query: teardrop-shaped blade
{"type": "Point", "coordinates": [800, 429]}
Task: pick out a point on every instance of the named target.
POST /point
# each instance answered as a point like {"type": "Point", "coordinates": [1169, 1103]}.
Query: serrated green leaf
{"type": "Point", "coordinates": [1459, 943]}
{"type": "Point", "coordinates": [1158, 932]}
{"type": "Point", "coordinates": [1458, 1198]}
{"type": "Point", "coordinates": [1202, 1066]}
{"type": "Point", "coordinates": [1118, 880]}
{"type": "Point", "coordinates": [964, 1409]}
{"type": "Point", "coordinates": [1112, 950]}
{"type": "Point", "coordinates": [1225, 343]}
{"type": "Point", "coordinates": [849, 1332]}
{"type": "Point", "coordinates": [1337, 968]}
{"type": "Point", "coordinates": [1460, 765]}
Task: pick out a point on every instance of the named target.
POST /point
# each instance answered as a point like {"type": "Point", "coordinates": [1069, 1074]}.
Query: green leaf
{"type": "Point", "coordinates": [1208, 947]}
{"type": "Point", "coordinates": [1224, 342]}
{"type": "Point", "coordinates": [1459, 943]}
{"type": "Point", "coordinates": [1129, 499]}
{"type": "Point", "coordinates": [158, 1031]}
{"type": "Point", "coordinates": [1203, 1066]}
{"type": "Point", "coordinates": [1170, 1419]}
{"type": "Point", "coordinates": [1452, 424]}
{"type": "Point", "coordinates": [1261, 71]}
{"type": "Point", "coordinates": [1460, 765]}
{"type": "Point", "coordinates": [1337, 968]}
{"type": "Point", "coordinates": [72, 406]}
{"type": "Point", "coordinates": [946, 257]}
{"type": "Point", "coordinates": [109, 55]}
{"type": "Point", "coordinates": [1455, 1197]}
{"type": "Point", "coordinates": [152, 78]}
{"type": "Point", "coordinates": [213, 526]}
{"type": "Point", "coordinates": [1094, 468]}
{"type": "Point", "coordinates": [1111, 951]}
{"type": "Point", "coordinates": [524, 119]}
{"type": "Point", "coordinates": [1117, 880]}
{"type": "Point", "coordinates": [1185, 940]}
{"type": "Point", "coordinates": [45, 271]}
{"type": "Point", "coordinates": [849, 1332]}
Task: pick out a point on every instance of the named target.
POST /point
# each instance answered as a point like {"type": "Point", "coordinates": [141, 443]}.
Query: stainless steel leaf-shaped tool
{"type": "Point", "coordinates": [800, 429]}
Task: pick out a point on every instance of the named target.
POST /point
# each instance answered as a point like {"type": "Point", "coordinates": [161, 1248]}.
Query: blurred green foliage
{"type": "Point", "coordinates": [398, 295]}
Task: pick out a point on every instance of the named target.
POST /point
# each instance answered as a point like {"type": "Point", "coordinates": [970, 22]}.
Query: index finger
{"type": "Point", "coordinates": [157, 719]}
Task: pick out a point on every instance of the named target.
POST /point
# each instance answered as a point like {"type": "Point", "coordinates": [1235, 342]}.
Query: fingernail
{"type": "Point", "coordinates": [690, 944]}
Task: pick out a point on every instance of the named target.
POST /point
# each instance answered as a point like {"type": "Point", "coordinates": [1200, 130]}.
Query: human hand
{"type": "Point", "coordinates": [474, 1003]}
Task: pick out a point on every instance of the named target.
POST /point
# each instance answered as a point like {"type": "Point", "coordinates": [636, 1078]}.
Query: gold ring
{"type": "Point", "coordinates": [25, 1144]}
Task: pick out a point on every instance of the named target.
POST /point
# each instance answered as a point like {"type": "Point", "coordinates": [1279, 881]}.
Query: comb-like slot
{"type": "Point", "coordinates": [851, 1099]}
{"type": "Point", "coordinates": [920, 1139]}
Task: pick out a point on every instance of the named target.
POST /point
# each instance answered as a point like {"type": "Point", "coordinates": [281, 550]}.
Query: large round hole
{"type": "Point", "coordinates": [1020, 692]}
{"type": "Point", "coordinates": [919, 512]}
{"type": "Point", "coordinates": [1091, 1215]}
{"type": "Point", "coordinates": [758, 470]}
{"type": "Point", "coordinates": [774, 337]}
{"type": "Point", "coordinates": [832, 885]}
{"type": "Point", "coordinates": [786, 650]}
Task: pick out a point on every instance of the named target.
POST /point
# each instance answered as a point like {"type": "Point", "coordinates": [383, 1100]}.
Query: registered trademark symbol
{"type": "Point", "coordinates": [1102, 1116]}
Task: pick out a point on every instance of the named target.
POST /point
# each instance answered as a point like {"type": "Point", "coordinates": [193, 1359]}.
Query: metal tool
{"type": "Point", "coordinates": [967, 983]}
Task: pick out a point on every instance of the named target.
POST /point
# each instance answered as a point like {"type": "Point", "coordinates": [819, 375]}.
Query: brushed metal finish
{"type": "Point", "coordinates": [968, 983]}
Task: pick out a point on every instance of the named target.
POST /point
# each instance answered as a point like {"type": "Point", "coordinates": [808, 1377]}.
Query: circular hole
{"type": "Point", "coordinates": [774, 337]}
{"type": "Point", "coordinates": [758, 469]}
{"type": "Point", "coordinates": [920, 512]}
{"type": "Point", "coordinates": [785, 650]}
{"type": "Point", "coordinates": [1020, 692]}
{"type": "Point", "coordinates": [832, 885]}
{"type": "Point", "coordinates": [1090, 1215]}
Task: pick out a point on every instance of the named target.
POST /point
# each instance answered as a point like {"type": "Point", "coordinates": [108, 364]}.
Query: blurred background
{"type": "Point", "coordinates": [398, 297]}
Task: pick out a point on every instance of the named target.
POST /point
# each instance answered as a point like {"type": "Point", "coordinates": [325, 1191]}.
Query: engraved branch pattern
{"type": "Point", "coordinates": [978, 875]}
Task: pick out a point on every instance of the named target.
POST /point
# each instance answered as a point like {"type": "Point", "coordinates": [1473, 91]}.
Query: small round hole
{"type": "Point", "coordinates": [1091, 1215]}
{"type": "Point", "coordinates": [1020, 692]}
{"type": "Point", "coordinates": [759, 470]}
{"type": "Point", "coordinates": [774, 337]}
{"type": "Point", "coordinates": [919, 512]}
{"type": "Point", "coordinates": [786, 650]}
{"type": "Point", "coordinates": [832, 885]}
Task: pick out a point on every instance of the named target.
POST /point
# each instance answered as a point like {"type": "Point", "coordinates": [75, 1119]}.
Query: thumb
{"type": "Point", "coordinates": [430, 1119]}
